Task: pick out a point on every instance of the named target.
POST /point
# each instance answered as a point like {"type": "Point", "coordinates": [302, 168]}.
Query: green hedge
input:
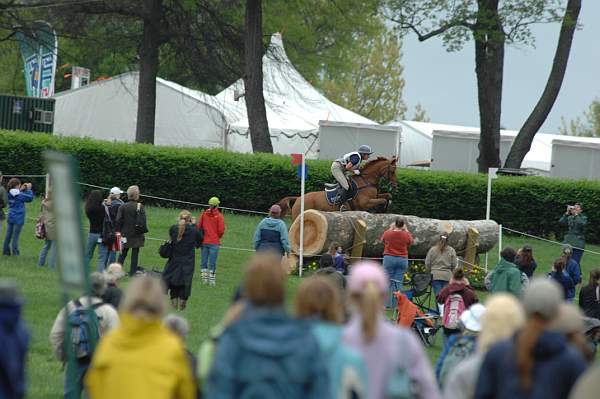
{"type": "Point", "coordinates": [529, 204]}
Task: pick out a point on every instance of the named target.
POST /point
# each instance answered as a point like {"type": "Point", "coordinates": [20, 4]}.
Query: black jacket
{"type": "Point", "coordinates": [179, 269]}
{"type": "Point", "coordinates": [126, 218]}
{"type": "Point", "coordinates": [588, 302]}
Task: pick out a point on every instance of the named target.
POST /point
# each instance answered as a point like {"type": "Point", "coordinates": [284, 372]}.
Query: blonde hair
{"type": "Point", "coordinates": [185, 218]}
{"type": "Point", "coordinates": [369, 303]}
{"type": "Point", "coordinates": [133, 193]}
{"type": "Point", "coordinates": [503, 316]}
{"type": "Point", "coordinates": [145, 298]}
{"type": "Point", "coordinates": [264, 281]}
{"type": "Point", "coordinates": [317, 296]}
{"type": "Point", "coordinates": [114, 272]}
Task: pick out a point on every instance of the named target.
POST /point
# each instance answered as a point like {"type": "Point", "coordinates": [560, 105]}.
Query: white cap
{"type": "Point", "coordinates": [471, 318]}
{"type": "Point", "coordinates": [116, 191]}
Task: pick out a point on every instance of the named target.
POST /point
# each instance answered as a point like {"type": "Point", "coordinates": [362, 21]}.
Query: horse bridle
{"type": "Point", "coordinates": [388, 177]}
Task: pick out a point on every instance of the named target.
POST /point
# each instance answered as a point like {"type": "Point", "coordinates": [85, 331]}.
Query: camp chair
{"type": "Point", "coordinates": [408, 314]}
{"type": "Point", "coordinates": [421, 292]}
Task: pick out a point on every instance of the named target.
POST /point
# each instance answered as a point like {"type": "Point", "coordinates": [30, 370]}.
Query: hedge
{"type": "Point", "coordinates": [255, 181]}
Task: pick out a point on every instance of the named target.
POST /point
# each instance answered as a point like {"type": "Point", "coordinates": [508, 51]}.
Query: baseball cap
{"type": "Point", "coordinates": [543, 297]}
{"type": "Point", "coordinates": [275, 209]}
{"type": "Point", "coordinates": [116, 191]}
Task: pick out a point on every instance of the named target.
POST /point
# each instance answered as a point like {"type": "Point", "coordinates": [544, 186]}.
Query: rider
{"type": "Point", "coordinates": [348, 163]}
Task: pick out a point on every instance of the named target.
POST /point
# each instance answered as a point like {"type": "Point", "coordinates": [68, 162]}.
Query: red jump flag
{"type": "Point", "coordinates": [296, 159]}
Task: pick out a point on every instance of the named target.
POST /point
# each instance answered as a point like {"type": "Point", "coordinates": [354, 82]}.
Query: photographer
{"type": "Point", "coordinates": [18, 195]}
{"type": "Point", "coordinates": [576, 222]}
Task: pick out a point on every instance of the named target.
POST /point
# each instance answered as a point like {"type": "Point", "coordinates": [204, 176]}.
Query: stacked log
{"type": "Point", "coordinates": [323, 228]}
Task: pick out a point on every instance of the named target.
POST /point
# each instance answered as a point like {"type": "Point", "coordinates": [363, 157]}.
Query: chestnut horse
{"type": "Point", "coordinates": [367, 196]}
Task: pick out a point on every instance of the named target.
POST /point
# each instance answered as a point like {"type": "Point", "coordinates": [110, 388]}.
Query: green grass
{"type": "Point", "coordinates": [40, 287]}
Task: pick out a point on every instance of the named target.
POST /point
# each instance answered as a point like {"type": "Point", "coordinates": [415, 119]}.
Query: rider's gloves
{"type": "Point", "coordinates": [357, 172]}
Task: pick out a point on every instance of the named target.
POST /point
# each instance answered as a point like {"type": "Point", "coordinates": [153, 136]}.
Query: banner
{"type": "Point", "coordinates": [39, 47]}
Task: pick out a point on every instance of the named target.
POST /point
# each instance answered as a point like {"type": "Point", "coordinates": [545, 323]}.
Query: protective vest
{"type": "Point", "coordinates": [351, 157]}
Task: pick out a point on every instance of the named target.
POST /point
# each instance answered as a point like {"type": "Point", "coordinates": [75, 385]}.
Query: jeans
{"type": "Point", "coordinates": [13, 231]}
{"type": "Point", "coordinates": [49, 247]}
{"type": "Point", "coordinates": [438, 285]}
{"type": "Point", "coordinates": [93, 239]}
{"type": "Point", "coordinates": [74, 375]}
{"type": "Point", "coordinates": [577, 255]}
{"type": "Point", "coordinates": [395, 267]}
{"type": "Point", "coordinates": [210, 253]}
{"type": "Point", "coordinates": [135, 253]}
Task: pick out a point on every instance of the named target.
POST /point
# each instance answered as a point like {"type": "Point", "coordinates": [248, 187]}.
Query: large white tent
{"type": "Point", "coordinates": [107, 110]}
{"type": "Point", "coordinates": [294, 107]}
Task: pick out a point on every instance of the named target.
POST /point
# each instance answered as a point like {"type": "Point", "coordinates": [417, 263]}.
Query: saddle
{"type": "Point", "coordinates": [333, 191]}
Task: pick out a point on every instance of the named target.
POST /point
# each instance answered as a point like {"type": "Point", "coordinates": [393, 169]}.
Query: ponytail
{"type": "Point", "coordinates": [185, 218]}
{"type": "Point", "coordinates": [370, 306]}
{"type": "Point", "coordinates": [526, 341]}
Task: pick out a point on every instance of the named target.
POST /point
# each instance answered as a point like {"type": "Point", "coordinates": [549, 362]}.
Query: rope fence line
{"type": "Point", "coordinates": [181, 201]}
{"type": "Point", "coordinates": [547, 240]}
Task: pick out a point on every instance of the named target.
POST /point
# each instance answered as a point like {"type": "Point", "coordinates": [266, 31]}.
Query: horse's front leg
{"type": "Point", "coordinates": [386, 196]}
{"type": "Point", "coordinates": [374, 202]}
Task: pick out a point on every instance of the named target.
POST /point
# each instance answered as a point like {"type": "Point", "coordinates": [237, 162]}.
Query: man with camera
{"type": "Point", "coordinates": [575, 222]}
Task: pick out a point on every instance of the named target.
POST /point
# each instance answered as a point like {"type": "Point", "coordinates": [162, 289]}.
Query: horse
{"type": "Point", "coordinates": [366, 197]}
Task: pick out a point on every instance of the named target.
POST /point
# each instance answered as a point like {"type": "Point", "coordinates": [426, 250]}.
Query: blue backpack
{"type": "Point", "coordinates": [85, 330]}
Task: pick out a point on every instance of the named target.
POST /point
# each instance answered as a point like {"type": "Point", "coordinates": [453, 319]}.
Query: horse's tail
{"type": "Point", "coordinates": [285, 205]}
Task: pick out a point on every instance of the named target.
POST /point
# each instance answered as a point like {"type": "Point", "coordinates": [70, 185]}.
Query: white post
{"type": "Point", "coordinates": [489, 197]}
{"type": "Point", "coordinates": [499, 240]}
{"type": "Point", "coordinates": [301, 249]}
{"type": "Point", "coordinates": [47, 185]}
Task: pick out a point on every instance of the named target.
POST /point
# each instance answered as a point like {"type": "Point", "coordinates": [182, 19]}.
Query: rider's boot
{"type": "Point", "coordinates": [343, 196]}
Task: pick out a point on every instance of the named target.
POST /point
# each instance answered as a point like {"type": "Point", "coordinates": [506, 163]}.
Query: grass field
{"type": "Point", "coordinates": [40, 286]}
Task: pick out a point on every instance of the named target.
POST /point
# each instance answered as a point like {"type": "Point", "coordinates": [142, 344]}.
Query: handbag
{"type": "Point", "coordinates": [166, 249]}
{"type": "Point", "coordinates": [140, 220]}
{"type": "Point", "coordinates": [40, 229]}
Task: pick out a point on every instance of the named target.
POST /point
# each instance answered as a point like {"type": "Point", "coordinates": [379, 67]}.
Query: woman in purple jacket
{"type": "Point", "coordinates": [18, 195]}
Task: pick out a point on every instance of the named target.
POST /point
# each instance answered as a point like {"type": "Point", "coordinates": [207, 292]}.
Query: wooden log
{"type": "Point", "coordinates": [358, 245]}
{"type": "Point", "coordinates": [323, 228]}
{"type": "Point", "coordinates": [470, 255]}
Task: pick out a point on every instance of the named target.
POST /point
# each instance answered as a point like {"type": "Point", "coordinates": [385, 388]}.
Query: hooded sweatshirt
{"type": "Point", "coordinates": [271, 235]}
{"type": "Point", "coordinates": [346, 368]}
{"type": "Point", "coordinates": [268, 355]}
{"type": "Point", "coordinates": [213, 224]}
{"type": "Point", "coordinates": [506, 277]}
{"type": "Point", "coordinates": [458, 287]}
{"type": "Point", "coordinates": [141, 359]}
{"type": "Point", "coordinates": [16, 205]}
{"type": "Point", "coordinates": [557, 366]}
{"type": "Point", "coordinates": [14, 337]}
{"type": "Point", "coordinates": [393, 347]}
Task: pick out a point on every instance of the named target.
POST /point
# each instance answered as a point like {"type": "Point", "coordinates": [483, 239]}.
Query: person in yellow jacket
{"type": "Point", "coordinates": [141, 359]}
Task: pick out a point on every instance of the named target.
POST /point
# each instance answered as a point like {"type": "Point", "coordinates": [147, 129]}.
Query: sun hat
{"type": "Point", "coordinates": [116, 191]}
{"type": "Point", "coordinates": [275, 209]}
{"type": "Point", "coordinates": [364, 273]}
{"type": "Point", "coordinates": [114, 272]}
{"type": "Point", "coordinates": [569, 320]}
{"type": "Point", "coordinates": [542, 297]}
{"type": "Point", "coordinates": [471, 318]}
{"type": "Point", "coordinates": [214, 201]}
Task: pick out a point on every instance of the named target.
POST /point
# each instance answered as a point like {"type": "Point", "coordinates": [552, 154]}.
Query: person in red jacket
{"type": "Point", "coordinates": [213, 224]}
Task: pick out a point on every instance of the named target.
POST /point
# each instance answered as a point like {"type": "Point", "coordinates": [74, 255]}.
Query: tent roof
{"type": "Point", "coordinates": [292, 103]}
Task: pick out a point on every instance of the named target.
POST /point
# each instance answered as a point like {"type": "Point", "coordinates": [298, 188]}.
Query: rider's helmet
{"type": "Point", "coordinates": [214, 201]}
{"type": "Point", "coordinates": [364, 150]}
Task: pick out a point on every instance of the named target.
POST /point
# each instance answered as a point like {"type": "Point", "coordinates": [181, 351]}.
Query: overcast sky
{"type": "Point", "coordinates": [445, 83]}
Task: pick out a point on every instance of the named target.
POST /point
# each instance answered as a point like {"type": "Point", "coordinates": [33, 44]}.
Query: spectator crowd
{"type": "Point", "coordinates": [343, 337]}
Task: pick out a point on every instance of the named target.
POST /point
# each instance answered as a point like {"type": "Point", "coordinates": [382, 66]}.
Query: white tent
{"type": "Point", "coordinates": [107, 110]}
{"type": "Point", "coordinates": [294, 107]}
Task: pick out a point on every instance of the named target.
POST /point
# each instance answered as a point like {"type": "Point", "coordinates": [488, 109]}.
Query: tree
{"type": "Point", "coordinates": [589, 128]}
{"type": "Point", "coordinates": [491, 25]}
{"type": "Point", "coordinates": [253, 78]}
{"type": "Point", "coordinates": [373, 86]}
{"type": "Point", "coordinates": [536, 119]}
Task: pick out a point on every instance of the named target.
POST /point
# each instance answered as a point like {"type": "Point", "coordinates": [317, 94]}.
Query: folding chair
{"type": "Point", "coordinates": [421, 291]}
{"type": "Point", "coordinates": [408, 314]}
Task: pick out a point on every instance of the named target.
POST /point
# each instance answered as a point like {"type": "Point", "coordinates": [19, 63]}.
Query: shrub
{"type": "Point", "coordinates": [254, 182]}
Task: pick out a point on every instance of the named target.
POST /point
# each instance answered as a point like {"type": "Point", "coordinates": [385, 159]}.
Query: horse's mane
{"type": "Point", "coordinates": [375, 162]}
